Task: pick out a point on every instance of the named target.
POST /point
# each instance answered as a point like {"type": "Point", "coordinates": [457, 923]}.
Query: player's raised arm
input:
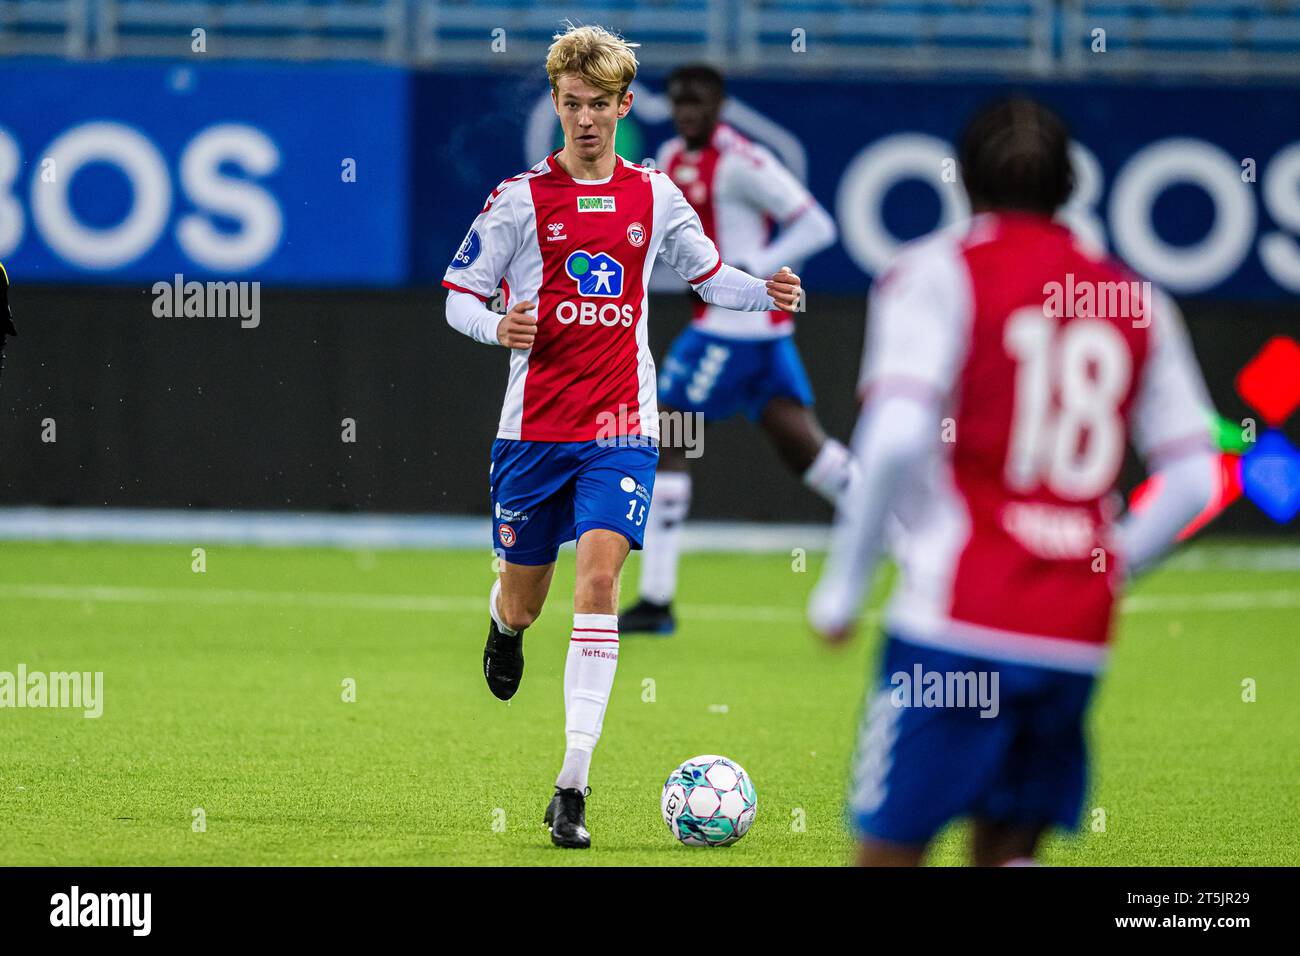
{"type": "Point", "coordinates": [694, 257]}
{"type": "Point", "coordinates": [910, 362]}
{"type": "Point", "coordinates": [1171, 432]}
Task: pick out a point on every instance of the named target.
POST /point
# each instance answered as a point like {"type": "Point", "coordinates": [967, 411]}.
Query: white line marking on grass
{"type": "Point", "coordinates": [1207, 556]}
{"type": "Point", "coordinates": [449, 604]}
{"type": "Point", "coordinates": [1212, 601]}
{"type": "Point", "coordinates": [215, 596]}
{"type": "Point", "coordinates": [474, 533]}
{"type": "Point", "coordinates": [427, 604]}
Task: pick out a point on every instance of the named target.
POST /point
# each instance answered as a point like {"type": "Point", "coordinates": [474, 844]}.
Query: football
{"type": "Point", "coordinates": [709, 801]}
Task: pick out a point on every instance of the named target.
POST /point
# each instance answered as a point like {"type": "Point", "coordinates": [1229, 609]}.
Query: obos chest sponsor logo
{"type": "Point", "coordinates": [596, 275]}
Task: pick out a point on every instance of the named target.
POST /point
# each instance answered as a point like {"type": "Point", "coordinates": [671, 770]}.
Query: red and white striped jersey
{"type": "Point", "coordinates": [739, 189]}
{"type": "Point", "coordinates": [1045, 358]}
{"type": "Point", "coordinates": [582, 250]}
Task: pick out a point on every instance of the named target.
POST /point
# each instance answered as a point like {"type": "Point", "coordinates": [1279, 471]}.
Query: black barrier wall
{"type": "Point", "coordinates": [202, 412]}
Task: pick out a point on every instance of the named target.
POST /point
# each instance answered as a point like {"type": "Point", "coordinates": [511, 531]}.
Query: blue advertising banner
{"type": "Point", "coordinates": [1197, 188]}
{"type": "Point", "coordinates": [336, 175]}
{"type": "Point", "coordinates": [136, 171]}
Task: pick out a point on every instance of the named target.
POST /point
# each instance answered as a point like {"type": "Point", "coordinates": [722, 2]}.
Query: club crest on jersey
{"type": "Point", "coordinates": [507, 535]}
{"type": "Point", "coordinates": [636, 234]}
{"type": "Point", "coordinates": [596, 204]}
{"type": "Point", "coordinates": [468, 251]}
{"type": "Point", "coordinates": [600, 274]}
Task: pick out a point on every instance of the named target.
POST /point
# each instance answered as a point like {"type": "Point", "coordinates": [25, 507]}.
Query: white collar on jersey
{"type": "Point", "coordinates": [559, 171]}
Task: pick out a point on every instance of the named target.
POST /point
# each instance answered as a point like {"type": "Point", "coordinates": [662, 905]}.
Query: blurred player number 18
{"type": "Point", "coordinates": [1048, 443]}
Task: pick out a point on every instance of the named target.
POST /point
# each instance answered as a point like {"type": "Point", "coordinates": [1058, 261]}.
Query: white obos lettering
{"type": "Point", "coordinates": [589, 313]}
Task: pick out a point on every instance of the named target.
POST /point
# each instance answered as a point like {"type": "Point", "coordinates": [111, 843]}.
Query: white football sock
{"type": "Point", "coordinates": [663, 536]}
{"type": "Point", "coordinates": [492, 609]}
{"type": "Point", "coordinates": [830, 472]}
{"type": "Point", "coordinates": [588, 679]}
{"type": "Point", "coordinates": [573, 775]}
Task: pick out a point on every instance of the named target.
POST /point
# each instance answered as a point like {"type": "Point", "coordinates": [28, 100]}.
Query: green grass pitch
{"type": "Point", "coordinates": [224, 693]}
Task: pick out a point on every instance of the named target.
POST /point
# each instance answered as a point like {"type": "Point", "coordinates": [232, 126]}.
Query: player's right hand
{"type": "Point", "coordinates": [786, 291]}
{"type": "Point", "coordinates": [519, 326]}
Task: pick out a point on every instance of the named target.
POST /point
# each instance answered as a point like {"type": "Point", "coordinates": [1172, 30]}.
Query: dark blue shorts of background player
{"type": "Point", "coordinates": [1015, 764]}
{"type": "Point", "coordinates": [721, 377]}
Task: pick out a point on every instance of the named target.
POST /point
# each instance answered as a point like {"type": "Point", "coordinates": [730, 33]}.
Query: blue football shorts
{"type": "Point", "coordinates": [547, 493]}
{"type": "Point", "coordinates": [920, 765]}
{"type": "Point", "coordinates": [719, 377]}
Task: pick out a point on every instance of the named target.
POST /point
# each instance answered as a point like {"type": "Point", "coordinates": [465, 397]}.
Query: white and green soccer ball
{"type": "Point", "coordinates": [709, 801]}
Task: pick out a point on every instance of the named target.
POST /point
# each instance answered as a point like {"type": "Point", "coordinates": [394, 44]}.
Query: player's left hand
{"type": "Point", "coordinates": [786, 290]}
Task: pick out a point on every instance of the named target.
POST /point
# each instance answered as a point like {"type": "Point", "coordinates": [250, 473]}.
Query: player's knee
{"type": "Point", "coordinates": [596, 590]}
{"type": "Point", "coordinates": [600, 583]}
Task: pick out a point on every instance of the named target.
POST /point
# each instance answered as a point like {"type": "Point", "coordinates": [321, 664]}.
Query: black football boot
{"type": "Point", "coordinates": [647, 617]}
{"type": "Point", "coordinates": [503, 662]}
{"type": "Point", "coordinates": [566, 815]}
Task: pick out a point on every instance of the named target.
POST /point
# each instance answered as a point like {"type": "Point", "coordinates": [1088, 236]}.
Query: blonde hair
{"type": "Point", "coordinates": [602, 59]}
